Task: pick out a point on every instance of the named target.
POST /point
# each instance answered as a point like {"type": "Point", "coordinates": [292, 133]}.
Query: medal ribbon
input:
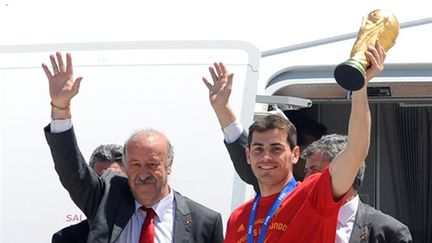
{"type": "Point", "coordinates": [282, 195]}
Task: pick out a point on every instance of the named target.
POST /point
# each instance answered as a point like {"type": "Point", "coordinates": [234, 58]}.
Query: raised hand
{"type": "Point", "coordinates": [220, 90]}
{"type": "Point", "coordinates": [62, 85]}
{"type": "Point", "coordinates": [376, 55]}
{"type": "Point", "coordinates": [344, 167]}
{"type": "Point", "coordinates": [219, 93]}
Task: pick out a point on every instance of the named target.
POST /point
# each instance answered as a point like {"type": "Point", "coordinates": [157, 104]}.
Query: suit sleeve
{"type": "Point", "coordinates": [76, 233]}
{"type": "Point", "coordinates": [401, 235]}
{"type": "Point", "coordinates": [237, 154]}
{"type": "Point", "coordinates": [394, 230]}
{"type": "Point", "coordinates": [218, 230]}
{"type": "Point", "coordinates": [82, 183]}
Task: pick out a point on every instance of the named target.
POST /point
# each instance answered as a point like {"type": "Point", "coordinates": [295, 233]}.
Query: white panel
{"type": "Point", "coordinates": [122, 91]}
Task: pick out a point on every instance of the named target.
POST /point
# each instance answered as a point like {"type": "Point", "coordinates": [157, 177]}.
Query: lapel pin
{"type": "Point", "coordinates": [363, 234]}
{"type": "Point", "coordinates": [188, 221]}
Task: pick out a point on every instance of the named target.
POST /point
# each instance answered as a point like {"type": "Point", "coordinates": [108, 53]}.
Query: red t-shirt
{"type": "Point", "coordinates": [308, 214]}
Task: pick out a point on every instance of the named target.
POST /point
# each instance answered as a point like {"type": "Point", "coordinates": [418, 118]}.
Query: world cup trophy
{"type": "Point", "coordinates": [379, 25]}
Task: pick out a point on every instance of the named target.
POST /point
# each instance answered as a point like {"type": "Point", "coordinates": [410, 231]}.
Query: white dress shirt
{"type": "Point", "coordinates": [346, 218]}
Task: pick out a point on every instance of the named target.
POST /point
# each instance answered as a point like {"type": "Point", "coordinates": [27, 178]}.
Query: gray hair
{"type": "Point", "coordinates": [150, 132]}
{"type": "Point", "coordinates": [106, 153]}
{"type": "Point", "coordinates": [329, 146]}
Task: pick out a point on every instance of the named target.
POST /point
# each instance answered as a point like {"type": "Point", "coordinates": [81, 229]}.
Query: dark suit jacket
{"type": "Point", "coordinates": [370, 225]}
{"type": "Point", "coordinates": [237, 154]}
{"type": "Point", "coordinates": [76, 233]}
{"type": "Point", "coordinates": [109, 204]}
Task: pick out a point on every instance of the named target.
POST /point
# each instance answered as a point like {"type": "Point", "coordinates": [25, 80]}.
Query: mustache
{"type": "Point", "coordinates": [148, 180]}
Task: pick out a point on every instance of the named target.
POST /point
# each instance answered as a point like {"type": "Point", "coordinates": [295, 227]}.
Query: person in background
{"type": "Point", "coordinates": [357, 221]}
{"type": "Point", "coordinates": [104, 157]}
{"type": "Point", "coordinates": [308, 130]}
{"type": "Point", "coordinates": [107, 157]}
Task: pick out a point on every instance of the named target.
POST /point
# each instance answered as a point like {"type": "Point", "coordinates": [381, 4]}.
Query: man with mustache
{"type": "Point", "coordinates": [139, 208]}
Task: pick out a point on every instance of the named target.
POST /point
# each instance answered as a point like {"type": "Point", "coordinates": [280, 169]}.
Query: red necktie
{"type": "Point", "coordinates": [148, 229]}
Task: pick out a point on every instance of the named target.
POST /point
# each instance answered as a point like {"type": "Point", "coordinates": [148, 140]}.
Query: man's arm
{"type": "Point", "coordinates": [82, 183]}
{"type": "Point", "coordinates": [219, 93]}
{"type": "Point", "coordinates": [237, 154]}
{"type": "Point", "coordinates": [217, 236]}
{"type": "Point", "coordinates": [401, 235]}
{"type": "Point", "coordinates": [84, 186]}
{"type": "Point", "coordinates": [344, 167]}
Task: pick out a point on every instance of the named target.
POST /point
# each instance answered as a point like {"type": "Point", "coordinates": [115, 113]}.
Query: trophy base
{"type": "Point", "coordinates": [350, 75]}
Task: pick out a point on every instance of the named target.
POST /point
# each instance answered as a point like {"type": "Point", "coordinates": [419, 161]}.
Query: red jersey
{"type": "Point", "coordinates": [308, 214]}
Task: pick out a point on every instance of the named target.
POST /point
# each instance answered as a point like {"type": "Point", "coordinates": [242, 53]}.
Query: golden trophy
{"type": "Point", "coordinates": [379, 25]}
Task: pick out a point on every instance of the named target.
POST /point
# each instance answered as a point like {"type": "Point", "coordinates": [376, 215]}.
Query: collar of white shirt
{"type": "Point", "coordinates": [161, 207]}
{"type": "Point", "coordinates": [348, 210]}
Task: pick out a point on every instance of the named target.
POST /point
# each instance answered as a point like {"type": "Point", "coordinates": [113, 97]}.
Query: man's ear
{"type": "Point", "coordinates": [247, 152]}
{"type": "Point", "coordinates": [295, 155]}
{"type": "Point", "coordinates": [169, 169]}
